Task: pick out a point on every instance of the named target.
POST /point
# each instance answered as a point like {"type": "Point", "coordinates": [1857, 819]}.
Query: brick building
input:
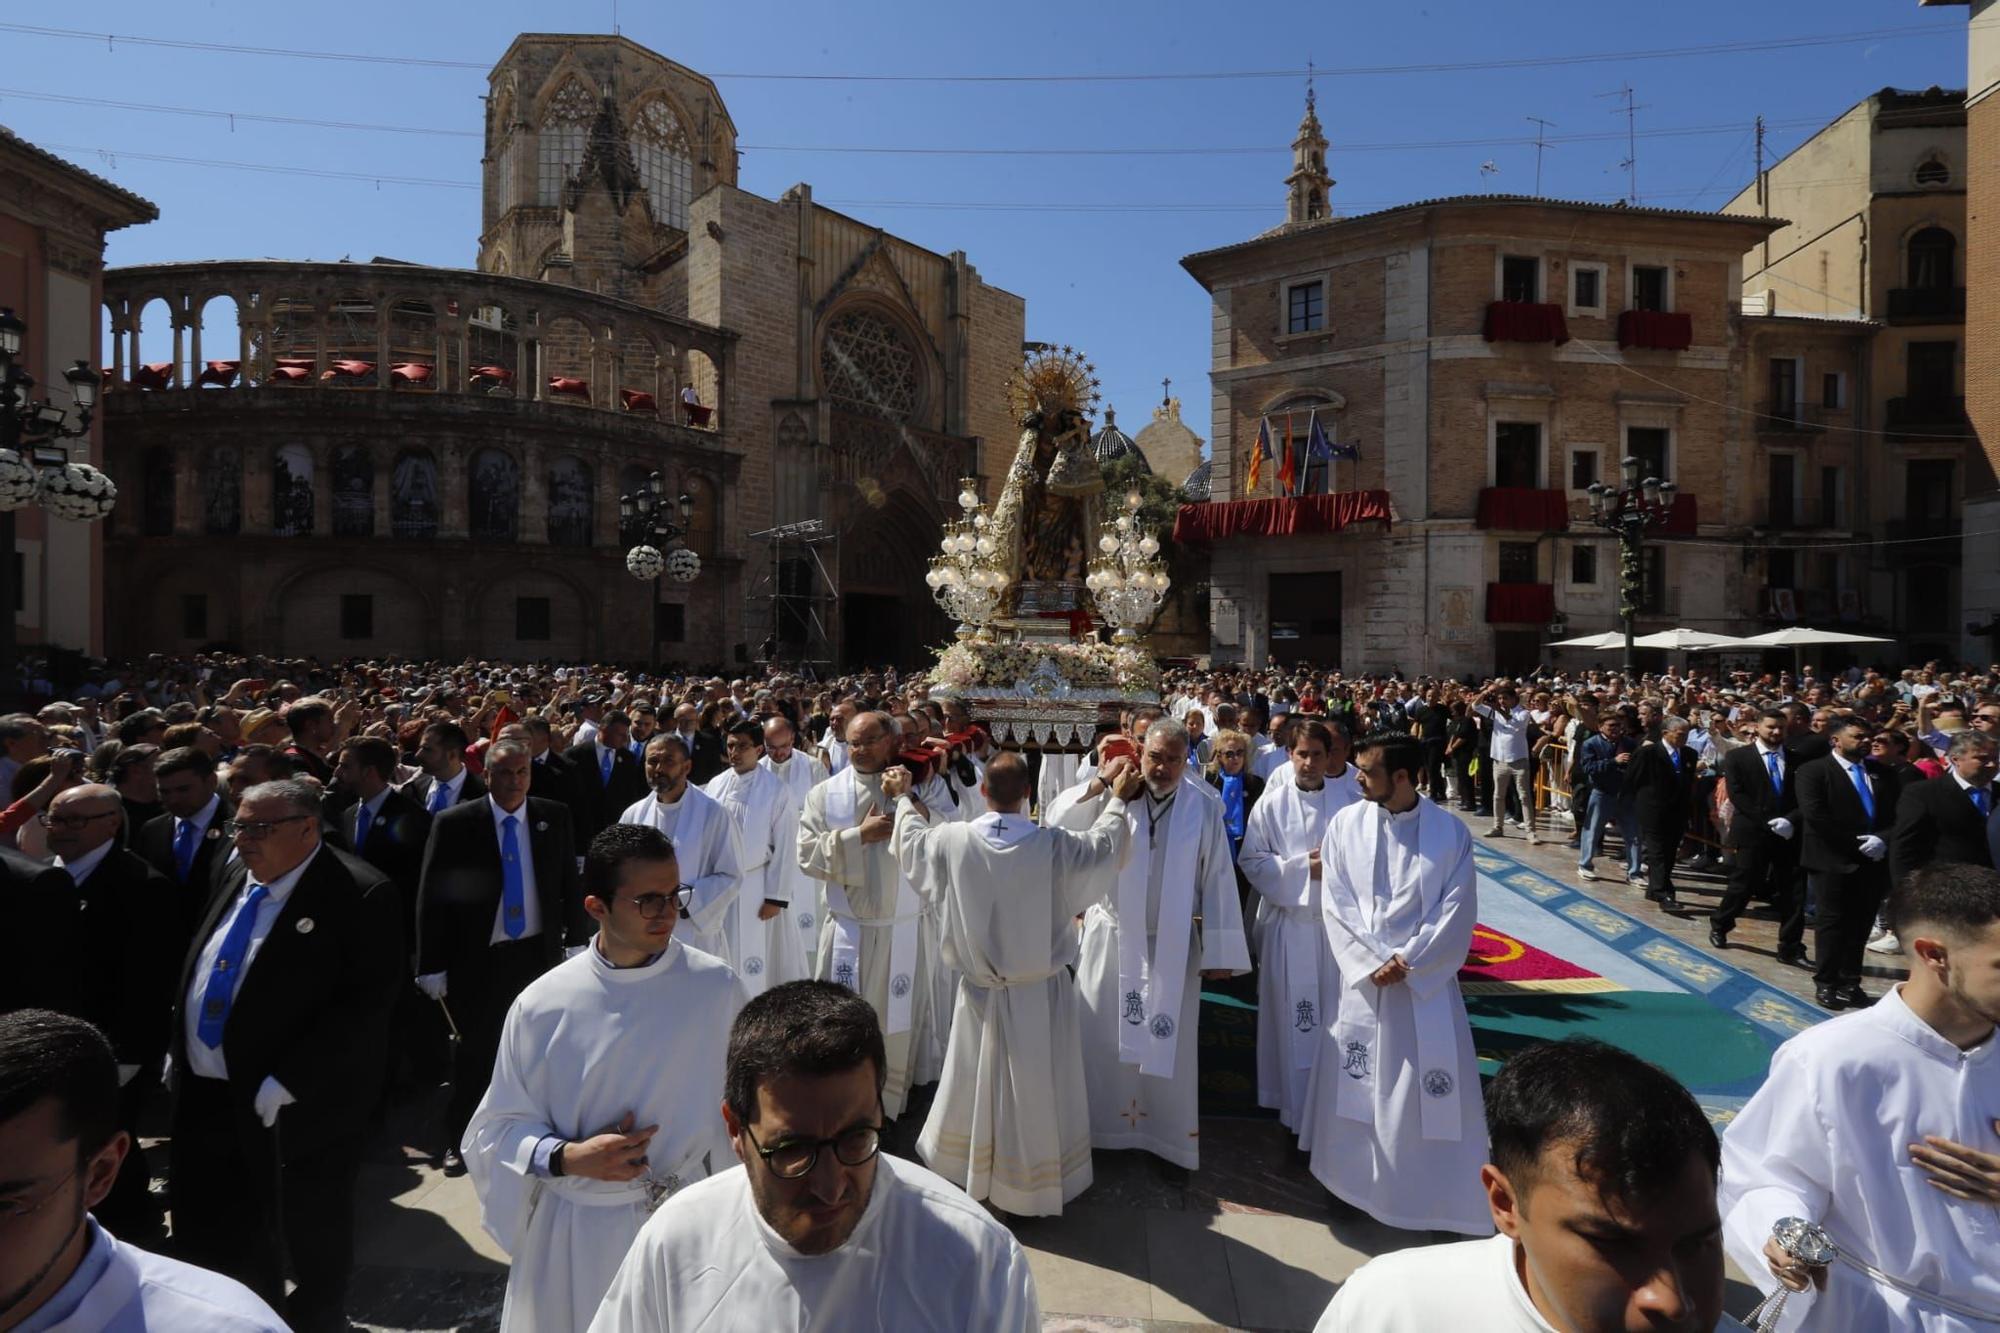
{"type": "Point", "coordinates": [53, 221]}
{"type": "Point", "coordinates": [1489, 357]}
{"type": "Point", "coordinates": [1854, 331]}
{"type": "Point", "coordinates": [428, 461]}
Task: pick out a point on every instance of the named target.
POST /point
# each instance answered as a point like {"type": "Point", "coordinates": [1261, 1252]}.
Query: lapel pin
{"type": "Point", "coordinates": [212, 834]}
{"type": "Point", "coordinates": [541, 826]}
{"type": "Point", "coordinates": [305, 925]}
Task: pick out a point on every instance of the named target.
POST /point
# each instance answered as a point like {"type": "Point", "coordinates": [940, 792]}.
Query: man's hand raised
{"type": "Point", "coordinates": [896, 782]}
{"type": "Point", "coordinates": [1127, 782]}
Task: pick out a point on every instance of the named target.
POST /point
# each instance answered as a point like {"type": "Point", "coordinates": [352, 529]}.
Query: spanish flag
{"type": "Point", "coordinates": [1257, 457]}
{"type": "Point", "coordinates": [1287, 470]}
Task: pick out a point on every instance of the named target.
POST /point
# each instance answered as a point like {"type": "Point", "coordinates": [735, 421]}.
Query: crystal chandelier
{"type": "Point", "coordinates": [1127, 578]}
{"type": "Point", "coordinates": [967, 576]}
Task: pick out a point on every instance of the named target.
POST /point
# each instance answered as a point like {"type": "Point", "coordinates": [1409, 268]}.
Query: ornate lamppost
{"type": "Point", "coordinates": [967, 576]}
{"type": "Point", "coordinates": [1628, 511]}
{"type": "Point", "coordinates": [1127, 578]}
{"type": "Point", "coordinates": [658, 522]}
{"type": "Point", "coordinates": [34, 461]}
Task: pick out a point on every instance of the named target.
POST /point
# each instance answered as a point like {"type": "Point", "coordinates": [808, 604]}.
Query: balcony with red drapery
{"type": "Point", "coordinates": [1523, 509]}
{"type": "Point", "coordinates": [1660, 330]}
{"type": "Point", "coordinates": [1282, 517]}
{"type": "Point", "coordinates": [1526, 322]}
{"type": "Point", "coordinates": [1520, 603]}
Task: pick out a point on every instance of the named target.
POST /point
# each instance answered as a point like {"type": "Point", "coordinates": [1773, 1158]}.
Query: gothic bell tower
{"type": "Point", "coordinates": [1308, 186]}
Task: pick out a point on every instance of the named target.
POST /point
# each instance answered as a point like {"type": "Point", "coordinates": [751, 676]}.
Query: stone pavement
{"type": "Point", "coordinates": [1250, 1242]}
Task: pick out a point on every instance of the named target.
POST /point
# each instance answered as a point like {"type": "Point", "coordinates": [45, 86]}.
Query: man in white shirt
{"type": "Point", "coordinates": [816, 1230]}
{"type": "Point", "coordinates": [1883, 1127]}
{"type": "Point", "coordinates": [1507, 725]}
{"type": "Point", "coordinates": [60, 1151]}
{"type": "Point", "coordinates": [766, 817]}
{"type": "Point", "coordinates": [800, 772]}
{"type": "Point", "coordinates": [1601, 1182]}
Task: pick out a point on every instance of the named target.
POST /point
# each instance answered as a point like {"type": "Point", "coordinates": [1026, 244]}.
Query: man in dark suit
{"type": "Point", "coordinates": [1808, 732]}
{"type": "Point", "coordinates": [1848, 809]}
{"type": "Point", "coordinates": [186, 844]}
{"type": "Point", "coordinates": [1763, 834]}
{"type": "Point", "coordinates": [1948, 818]}
{"type": "Point", "coordinates": [498, 898]}
{"type": "Point", "coordinates": [445, 781]}
{"type": "Point", "coordinates": [1660, 787]}
{"type": "Point", "coordinates": [278, 1055]}
{"type": "Point", "coordinates": [604, 778]}
{"type": "Point", "coordinates": [108, 937]}
{"type": "Point", "coordinates": [548, 772]}
{"type": "Point", "coordinates": [313, 727]}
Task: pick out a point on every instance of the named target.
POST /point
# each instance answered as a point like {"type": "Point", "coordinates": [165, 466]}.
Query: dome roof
{"type": "Point", "coordinates": [1111, 443]}
{"type": "Point", "coordinates": [1195, 489]}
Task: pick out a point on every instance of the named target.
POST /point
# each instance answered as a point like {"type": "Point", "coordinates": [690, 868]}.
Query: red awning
{"type": "Point", "coordinates": [498, 374]}
{"type": "Point", "coordinates": [1520, 603]}
{"type": "Point", "coordinates": [697, 415]}
{"type": "Point", "coordinates": [348, 370]}
{"type": "Point", "coordinates": [637, 400]}
{"type": "Point", "coordinates": [1523, 509]}
{"type": "Point", "coordinates": [295, 363]}
{"type": "Point", "coordinates": [411, 372]}
{"type": "Point", "coordinates": [1526, 322]}
{"type": "Point", "coordinates": [221, 373]}
{"type": "Point", "coordinates": [154, 375]}
{"type": "Point", "coordinates": [569, 387]}
{"type": "Point", "coordinates": [291, 374]}
{"type": "Point", "coordinates": [1279, 518]}
{"type": "Point", "coordinates": [1663, 330]}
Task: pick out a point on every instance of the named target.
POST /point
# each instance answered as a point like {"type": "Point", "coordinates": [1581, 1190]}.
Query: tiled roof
{"type": "Point", "coordinates": [144, 209]}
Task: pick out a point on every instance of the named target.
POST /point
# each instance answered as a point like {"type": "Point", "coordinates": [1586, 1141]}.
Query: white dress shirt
{"type": "Point", "coordinates": [1508, 742]}
{"type": "Point", "coordinates": [79, 869]}
{"type": "Point", "coordinates": [202, 819]}
{"type": "Point", "coordinates": [200, 1059]}
{"type": "Point", "coordinates": [1848, 772]}
{"type": "Point", "coordinates": [531, 906]}
{"type": "Point", "coordinates": [451, 790]}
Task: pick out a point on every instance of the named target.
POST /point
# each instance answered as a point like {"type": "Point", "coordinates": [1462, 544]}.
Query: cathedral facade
{"type": "Point", "coordinates": [387, 457]}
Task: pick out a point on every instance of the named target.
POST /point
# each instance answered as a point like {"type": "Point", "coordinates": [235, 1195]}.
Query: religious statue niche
{"type": "Point", "coordinates": [292, 491]}
{"type": "Point", "coordinates": [495, 495]}
{"type": "Point", "coordinates": [1047, 517]}
{"type": "Point", "coordinates": [413, 497]}
{"type": "Point", "coordinates": [353, 492]}
{"type": "Point", "coordinates": [569, 503]}
{"type": "Point", "coordinates": [222, 492]}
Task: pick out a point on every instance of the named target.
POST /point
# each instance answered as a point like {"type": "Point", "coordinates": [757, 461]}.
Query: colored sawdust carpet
{"type": "Point", "coordinates": [1548, 961]}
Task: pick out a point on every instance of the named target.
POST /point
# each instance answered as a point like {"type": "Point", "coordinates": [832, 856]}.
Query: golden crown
{"type": "Point", "coordinates": [1053, 376]}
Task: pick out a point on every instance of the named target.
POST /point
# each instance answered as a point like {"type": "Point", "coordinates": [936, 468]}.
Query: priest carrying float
{"type": "Point", "coordinates": [1028, 662]}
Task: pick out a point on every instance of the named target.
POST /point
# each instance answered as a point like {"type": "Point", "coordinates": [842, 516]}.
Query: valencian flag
{"type": "Point", "coordinates": [1287, 472]}
{"type": "Point", "coordinates": [1259, 454]}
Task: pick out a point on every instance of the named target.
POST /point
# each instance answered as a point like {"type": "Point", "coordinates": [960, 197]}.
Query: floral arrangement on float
{"type": "Point", "coordinates": [971, 666]}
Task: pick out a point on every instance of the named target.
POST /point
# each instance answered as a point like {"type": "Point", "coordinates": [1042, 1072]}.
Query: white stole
{"type": "Point", "coordinates": [841, 800]}
{"type": "Point", "coordinates": [1151, 987]}
{"type": "Point", "coordinates": [689, 825]}
{"type": "Point", "coordinates": [1358, 1027]}
{"type": "Point", "coordinates": [1297, 815]}
{"type": "Point", "coordinates": [730, 790]}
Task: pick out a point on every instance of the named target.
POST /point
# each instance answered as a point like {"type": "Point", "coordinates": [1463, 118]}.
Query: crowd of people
{"type": "Point", "coordinates": [602, 904]}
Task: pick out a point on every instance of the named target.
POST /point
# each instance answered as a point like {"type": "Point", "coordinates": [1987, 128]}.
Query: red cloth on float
{"type": "Point", "coordinates": [221, 373]}
{"type": "Point", "coordinates": [1662, 330]}
{"type": "Point", "coordinates": [1280, 517]}
{"type": "Point", "coordinates": [1526, 322]}
{"type": "Point", "coordinates": [637, 400]}
{"type": "Point", "coordinates": [154, 375]}
{"type": "Point", "coordinates": [1523, 509]}
{"type": "Point", "coordinates": [569, 387]}
{"type": "Point", "coordinates": [1520, 603]}
{"type": "Point", "coordinates": [411, 372]}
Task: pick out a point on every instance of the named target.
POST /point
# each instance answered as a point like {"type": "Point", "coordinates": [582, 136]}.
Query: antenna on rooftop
{"type": "Point", "coordinates": [1631, 163]}
{"type": "Point", "coordinates": [1542, 128]}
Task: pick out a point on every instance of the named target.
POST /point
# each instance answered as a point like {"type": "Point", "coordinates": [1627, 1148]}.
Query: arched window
{"type": "Point", "coordinates": [1933, 172]}
{"type": "Point", "coordinates": [353, 492]}
{"type": "Point", "coordinates": [292, 491]}
{"type": "Point", "coordinates": [565, 135]}
{"type": "Point", "coordinates": [156, 518]}
{"type": "Point", "coordinates": [1933, 259]}
{"type": "Point", "coordinates": [869, 367]}
{"type": "Point", "coordinates": [703, 520]}
{"type": "Point", "coordinates": [666, 167]}
{"type": "Point", "coordinates": [569, 503]}
{"type": "Point", "coordinates": [495, 495]}
{"type": "Point", "coordinates": [413, 496]}
{"type": "Point", "coordinates": [222, 492]}
{"type": "Point", "coordinates": [631, 481]}
{"type": "Point", "coordinates": [1298, 413]}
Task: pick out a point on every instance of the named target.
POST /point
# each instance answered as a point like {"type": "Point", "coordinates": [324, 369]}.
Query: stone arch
{"type": "Point", "coordinates": [353, 318]}
{"type": "Point", "coordinates": [572, 608]}
{"type": "Point", "coordinates": [572, 489]}
{"type": "Point", "coordinates": [703, 376]}
{"type": "Point", "coordinates": [288, 329]}
{"type": "Point", "coordinates": [564, 108]}
{"type": "Point", "coordinates": [416, 504]}
{"type": "Point", "coordinates": [153, 335]}
{"type": "Point", "coordinates": [1931, 258]}
{"type": "Point", "coordinates": [305, 624]}
{"type": "Point", "coordinates": [704, 531]}
{"type": "Point", "coordinates": [656, 126]}
{"type": "Point", "coordinates": [222, 491]}
{"type": "Point", "coordinates": [887, 613]}
{"type": "Point", "coordinates": [413, 330]}
{"type": "Point", "coordinates": [352, 476]}
{"type": "Point", "coordinates": [568, 350]}
{"type": "Point", "coordinates": [875, 360]}
{"type": "Point", "coordinates": [1298, 405]}
{"type": "Point", "coordinates": [292, 483]}
{"type": "Point", "coordinates": [493, 495]}
{"type": "Point", "coordinates": [215, 334]}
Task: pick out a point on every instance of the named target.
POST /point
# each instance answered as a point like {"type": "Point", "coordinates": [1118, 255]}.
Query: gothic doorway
{"type": "Point", "coordinates": [887, 615]}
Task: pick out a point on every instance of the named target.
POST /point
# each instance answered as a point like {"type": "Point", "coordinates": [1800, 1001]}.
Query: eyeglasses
{"type": "Point", "coordinates": [797, 1157]}
{"type": "Point", "coordinates": [653, 906]}
{"type": "Point", "coordinates": [255, 830]}
{"type": "Point", "coordinates": [71, 822]}
{"type": "Point", "coordinates": [14, 1212]}
{"type": "Point", "coordinates": [1229, 754]}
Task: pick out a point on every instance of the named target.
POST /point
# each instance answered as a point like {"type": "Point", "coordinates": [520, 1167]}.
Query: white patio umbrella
{"type": "Point", "coordinates": [1687, 640]}
{"type": "Point", "coordinates": [1604, 642]}
{"type": "Point", "coordinates": [1798, 638]}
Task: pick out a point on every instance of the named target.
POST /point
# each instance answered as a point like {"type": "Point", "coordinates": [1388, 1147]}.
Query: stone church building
{"type": "Point", "coordinates": [363, 458]}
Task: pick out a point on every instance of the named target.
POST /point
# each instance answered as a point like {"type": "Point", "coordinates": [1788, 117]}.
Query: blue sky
{"type": "Point", "coordinates": [1095, 250]}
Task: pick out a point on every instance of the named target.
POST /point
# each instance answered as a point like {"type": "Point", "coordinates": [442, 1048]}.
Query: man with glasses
{"type": "Point", "coordinates": [705, 841]}
{"type": "Point", "coordinates": [603, 1095]}
{"type": "Point", "coordinates": [279, 1048]}
{"type": "Point", "coordinates": [766, 818]}
{"type": "Point", "coordinates": [60, 1150]}
{"type": "Point", "coordinates": [839, 1230]}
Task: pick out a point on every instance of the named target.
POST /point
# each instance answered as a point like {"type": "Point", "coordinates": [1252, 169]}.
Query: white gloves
{"type": "Point", "coordinates": [432, 984]}
{"type": "Point", "coordinates": [271, 1098]}
{"type": "Point", "coordinates": [1873, 847]}
{"type": "Point", "coordinates": [1782, 827]}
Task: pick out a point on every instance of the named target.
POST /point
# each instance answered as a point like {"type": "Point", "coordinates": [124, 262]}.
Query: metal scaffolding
{"type": "Point", "coordinates": [798, 592]}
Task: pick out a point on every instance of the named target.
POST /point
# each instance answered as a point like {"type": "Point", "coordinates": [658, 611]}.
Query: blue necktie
{"type": "Point", "coordinates": [184, 845]}
{"type": "Point", "coordinates": [221, 989]}
{"type": "Point", "coordinates": [604, 766]}
{"type": "Point", "coordinates": [1979, 798]}
{"type": "Point", "coordinates": [440, 796]}
{"type": "Point", "coordinates": [1675, 755]}
{"type": "Point", "coordinates": [362, 822]}
{"type": "Point", "coordinates": [1777, 778]}
{"type": "Point", "coordinates": [513, 893]}
{"type": "Point", "coordinates": [1861, 786]}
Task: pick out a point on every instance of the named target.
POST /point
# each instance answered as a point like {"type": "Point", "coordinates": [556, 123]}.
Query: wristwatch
{"type": "Point", "coordinates": [556, 1159]}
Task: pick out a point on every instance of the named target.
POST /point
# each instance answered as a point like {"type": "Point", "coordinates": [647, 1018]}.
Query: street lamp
{"type": "Point", "coordinates": [967, 575]}
{"type": "Point", "coordinates": [657, 521]}
{"type": "Point", "coordinates": [1642, 502]}
{"type": "Point", "coordinates": [1128, 578]}
{"type": "Point", "coordinates": [34, 461]}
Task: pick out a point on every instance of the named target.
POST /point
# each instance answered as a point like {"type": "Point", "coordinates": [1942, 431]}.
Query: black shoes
{"type": "Point", "coordinates": [1718, 938]}
{"type": "Point", "coordinates": [1792, 954]}
{"type": "Point", "coordinates": [454, 1165]}
{"type": "Point", "coordinates": [1855, 998]}
{"type": "Point", "coordinates": [1827, 997]}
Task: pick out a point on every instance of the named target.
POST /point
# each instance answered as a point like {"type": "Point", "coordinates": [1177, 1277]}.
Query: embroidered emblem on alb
{"type": "Point", "coordinates": [1355, 1061]}
{"type": "Point", "coordinates": [1162, 1026]}
{"type": "Point", "coordinates": [1135, 1008]}
{"type": "Point", "coordinates": [754, 966]}
{"type": "Point", "coordinates": [1438, 1082]}
{"type": "Point", "coordinates": [899, 986]}
{"type": "Point", "coordinates": [1306, 1018]}
{"type": "Point", "coordinates": [843, 975]}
